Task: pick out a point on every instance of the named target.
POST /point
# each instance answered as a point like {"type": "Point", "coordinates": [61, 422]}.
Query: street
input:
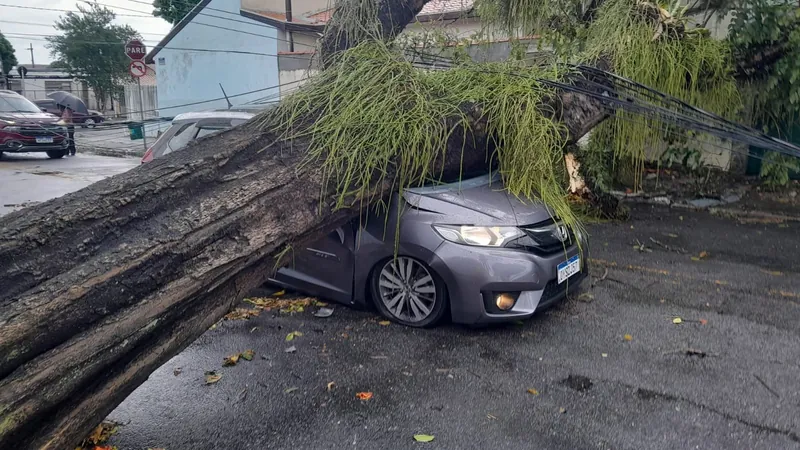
{"type": "Point", "coordinates": [31, 178]}
{"type": "Point", "coordinates": [607, 369]}
{"type": "Point", "coordinates": [723, 378]}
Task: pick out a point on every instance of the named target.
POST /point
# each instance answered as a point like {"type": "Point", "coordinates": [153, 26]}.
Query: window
{"type": "Point", "coordinates": [15, 85]}
{"type": "Point", "coordinates": [58, 85]}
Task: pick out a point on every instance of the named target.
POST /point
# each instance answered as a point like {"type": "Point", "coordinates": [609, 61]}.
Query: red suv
{"type": "Point", "coordinates": [25, 128]}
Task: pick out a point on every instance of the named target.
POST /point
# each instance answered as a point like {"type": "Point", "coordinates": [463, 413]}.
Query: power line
{"type": "Point", "coordinates": [53, 26]}
{"type": "Point", "coordinates": [71, 11]}
{"type": "Point", "coordinates": [166, 47]}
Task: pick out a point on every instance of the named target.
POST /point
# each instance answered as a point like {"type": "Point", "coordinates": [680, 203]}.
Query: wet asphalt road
{"type": "Point", "coordinates": [31, 178]}
{"type": "Point", "coordinates": [731, 381]}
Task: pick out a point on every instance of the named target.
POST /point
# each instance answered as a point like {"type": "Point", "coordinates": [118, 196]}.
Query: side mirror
{"type": "Point", "coordinates": [43, 109]}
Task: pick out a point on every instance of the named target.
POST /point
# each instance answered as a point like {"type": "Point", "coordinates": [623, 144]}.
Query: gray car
{"type": "Point", "coordinates": [467, 249]}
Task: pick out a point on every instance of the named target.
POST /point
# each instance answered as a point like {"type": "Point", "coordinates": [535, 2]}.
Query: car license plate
{"type": "Point", "coordinates": [44, 139]}
{"type": "Point", "coordinates": [569, 268]}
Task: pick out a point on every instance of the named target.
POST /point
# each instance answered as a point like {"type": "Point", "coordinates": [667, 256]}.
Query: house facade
{"type": "Point", "coordinates": [34, 82]}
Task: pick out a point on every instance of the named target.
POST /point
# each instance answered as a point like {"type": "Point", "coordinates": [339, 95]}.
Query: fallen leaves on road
{"type": "Point", "coordinates": [533, 391]}
{"type": "Point", "coordinates": [296, 305]}
{"type": "Point", "coordinates": [424, 437]}
{"type": "Point", "coordinates": [364, 395]}
{"type": "Point", "coordinates": [177, 371]}
{"type": "Point", "coordinates": [703, 321]}
{"type": "Point", "coordinates": [774, 273]}
{"type": "Point", "coordinates": [290, 390]}
{"type": "Point", "coordinates": [291, 349]}
{"type": "Point", "coordinates": [293, 335]}
{"type": "Point", "coordinates": [248, 354]}
{"type": "Point", "coordinates": [279, 294]}
{"type": "Point", "coordinates": [242, 314]}
{"type": "Point", "coordinates": [677, 320]}
{"type": "Point", "coordinates": [230, 360]}
{"type": "Point", "coordinates": [701, 256]}
{"type": "Point", "coordinates": [330, 386]}
{"type": "Point", "coordinates": [212, 377]}
{"type": "Point", "coordinates": [562, 410]}
{"type": "Point", "coordinates": [627, 337]}
{"type": "Point", "coordinates": [604, 355]}
{"type": "Point", "coordinates": [99, 435]}
{"type": "Point", "coordinates": [384, 322]}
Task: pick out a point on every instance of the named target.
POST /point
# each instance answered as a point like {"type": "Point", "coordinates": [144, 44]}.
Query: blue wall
{"type": "Point", "coordinates": [186, 76]}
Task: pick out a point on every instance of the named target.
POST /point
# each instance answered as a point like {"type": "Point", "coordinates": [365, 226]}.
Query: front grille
{"type": "Point", "coordinates": [544, 238]}
{"type": "Point", "coordinates": [44, 130]}
{"type": "Point", "coordinates": [554, 291]}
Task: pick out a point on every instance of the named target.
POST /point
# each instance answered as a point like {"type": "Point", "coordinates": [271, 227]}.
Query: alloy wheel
{"type": "Point", "coordinates": [407, 289]}
{"type": "Point", "coordinates": [89, 123]}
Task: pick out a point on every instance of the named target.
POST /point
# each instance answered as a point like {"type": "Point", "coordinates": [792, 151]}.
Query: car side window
{"type": "Point", "coordinates": [182, 138]}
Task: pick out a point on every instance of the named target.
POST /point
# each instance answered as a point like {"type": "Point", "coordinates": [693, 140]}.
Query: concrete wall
{"type": "Point", "coordinates": [187, 76]}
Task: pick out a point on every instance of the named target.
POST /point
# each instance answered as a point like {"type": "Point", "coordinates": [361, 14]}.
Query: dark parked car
{"type": "Point", "coordinates": [25, 128]}
{"type": "Point", "coordinates": [85, 120]}
{"type": "Point", "coordinates": [466, 249]}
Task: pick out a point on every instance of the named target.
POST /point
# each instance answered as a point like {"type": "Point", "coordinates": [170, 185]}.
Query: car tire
{"type": "Point", "coordinates": [89, 122]}
{"type": "Point", "coordinates": [56, 154]}
{"type": "Point", "coordinates": [419, 271]}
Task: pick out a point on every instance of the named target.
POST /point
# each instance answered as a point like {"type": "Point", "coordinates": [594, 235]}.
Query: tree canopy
{"type": "Point", "coordinates": [7, 57]}
{"type": "Point", "coordinates": [173, 10]}
{"type": "Point", "coordinates": [92, 48]}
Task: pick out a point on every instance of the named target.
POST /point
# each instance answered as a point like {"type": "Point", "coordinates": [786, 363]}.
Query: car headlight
{"type": "Point", "coordinates": [11, 129]}
{"type": "Point", "coordinates": [480, 236]}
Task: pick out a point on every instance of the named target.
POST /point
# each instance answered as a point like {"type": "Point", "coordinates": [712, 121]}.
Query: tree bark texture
{"type": "Point", "coordinates": [103, 285]}
{"type": "Point", "coordinates": [393, 16]}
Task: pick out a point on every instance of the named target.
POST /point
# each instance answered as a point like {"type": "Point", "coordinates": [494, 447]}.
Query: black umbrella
{"type": "Point", "coordinates": [70, 101]}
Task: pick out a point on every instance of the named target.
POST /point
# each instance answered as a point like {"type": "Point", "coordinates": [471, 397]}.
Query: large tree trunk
{"type": "Point", "coordinates": [102, 286]}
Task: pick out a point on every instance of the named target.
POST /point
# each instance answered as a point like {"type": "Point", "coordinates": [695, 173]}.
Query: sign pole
{"type": "Point", "coordinates": [141, 111]}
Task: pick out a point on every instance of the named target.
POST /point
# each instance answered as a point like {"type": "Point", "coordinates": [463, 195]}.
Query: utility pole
{"type": "Point", "coordinates": [33, 63]}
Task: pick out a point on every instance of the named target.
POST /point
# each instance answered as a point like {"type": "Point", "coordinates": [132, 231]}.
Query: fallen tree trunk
{"type": "Point", "coordinates": [102, 286]}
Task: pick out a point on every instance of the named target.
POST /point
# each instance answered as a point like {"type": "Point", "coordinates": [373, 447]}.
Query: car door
{"type": "Point", "coordinates": [324, 268]}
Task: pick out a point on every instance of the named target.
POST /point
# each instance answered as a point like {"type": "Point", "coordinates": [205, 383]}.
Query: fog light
{"type": "Point", "coordinates": [505, 301]}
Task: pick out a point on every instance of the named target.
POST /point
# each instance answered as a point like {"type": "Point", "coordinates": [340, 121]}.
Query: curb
{"type": "Point", "coordinates": [112, 153]}
{"type": "Point", "coordinates": [758, 215]}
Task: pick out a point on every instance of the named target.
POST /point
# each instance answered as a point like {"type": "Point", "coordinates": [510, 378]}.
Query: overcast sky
{"type": "Point", "coordinates": [151, 28]}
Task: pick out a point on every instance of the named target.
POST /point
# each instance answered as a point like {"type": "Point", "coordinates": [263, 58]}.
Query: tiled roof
{"type": "Point", "coordinates": [278, 16]}
{"type": "Point", "coordinates": [320, 17]}
{"type": "Point", "coordinates": [434, 7]}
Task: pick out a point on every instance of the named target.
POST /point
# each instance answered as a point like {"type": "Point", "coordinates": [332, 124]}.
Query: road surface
{"type": "Point", "coordinates": [609, 369]}
{"type": "Point", "coordinates": [31, 178]}
{"type": "Point", "coordinates": [726, 377]}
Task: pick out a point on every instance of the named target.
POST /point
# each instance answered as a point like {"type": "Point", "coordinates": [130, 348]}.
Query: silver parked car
{"type": "Point", "coordinates": [468, 249]}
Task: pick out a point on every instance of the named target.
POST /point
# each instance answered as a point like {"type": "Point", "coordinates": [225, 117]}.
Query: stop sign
{"type": "Point", "coordinates": [135, 50]}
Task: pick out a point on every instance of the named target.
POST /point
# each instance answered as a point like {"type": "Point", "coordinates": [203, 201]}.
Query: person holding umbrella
{"type": "Point", "coordinates": [69, 104]}
{"type": "Point", "coordinates": [66, 119]}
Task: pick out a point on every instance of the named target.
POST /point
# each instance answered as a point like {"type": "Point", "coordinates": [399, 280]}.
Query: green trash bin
{"type": "Point", "coordinates": [137, 130]}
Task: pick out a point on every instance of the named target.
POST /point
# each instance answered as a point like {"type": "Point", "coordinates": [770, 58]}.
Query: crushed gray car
{"type": "Point", "coordinates": [468, 249]}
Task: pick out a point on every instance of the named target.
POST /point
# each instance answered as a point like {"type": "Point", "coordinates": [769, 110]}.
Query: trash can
{"type": "Point", "coordinates": [136, 130]}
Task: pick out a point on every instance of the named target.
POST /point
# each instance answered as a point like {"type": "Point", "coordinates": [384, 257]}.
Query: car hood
{"type": "Point", "coordinates": [23, 118]}
{"type": "Point", "coordinates": [477, 201]}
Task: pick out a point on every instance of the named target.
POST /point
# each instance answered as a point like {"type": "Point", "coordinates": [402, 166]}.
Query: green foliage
{"type": "Point", "coordinates": [772, 91]}
{"type": "Point", "coordinates": [173, 10]}
{"type": "Point", "coordinates": [776, 167]}
{"type": "Point", "coordinates": [7, 57]}
{"type": "Point", "coordinates": [82, 48]}
{"type": "Point", "coordinates": [375, 114]}
{"type": "Point", "coordinates": [689, 66]}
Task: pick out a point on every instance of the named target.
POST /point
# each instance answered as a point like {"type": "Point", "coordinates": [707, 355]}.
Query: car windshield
{"type": "Point", "coordinates": [11, 104]}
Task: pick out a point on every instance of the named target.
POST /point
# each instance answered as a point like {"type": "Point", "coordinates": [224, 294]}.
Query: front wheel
{"type": "Point", "coordinates": [55, 154]}
{"type": "Point", "coordinates": [407, 291]}
{"type": "Point", "coordinates": [89, 122]}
